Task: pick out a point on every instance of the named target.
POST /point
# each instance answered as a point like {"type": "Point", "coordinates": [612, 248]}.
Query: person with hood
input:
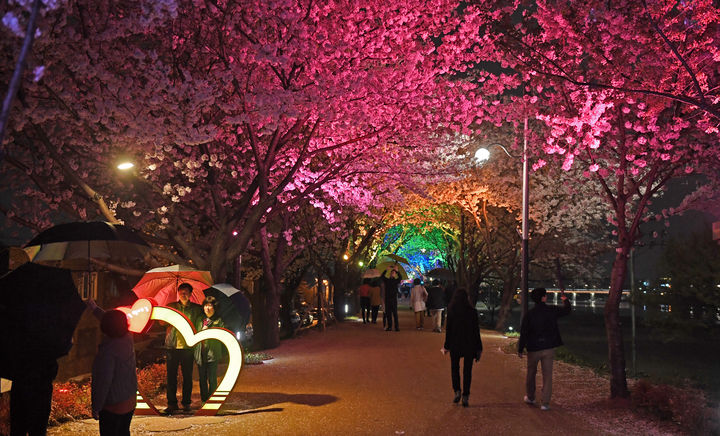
{"type": "Point", "coordinates": [462, 340]}
{"type": "Point", "coordinates": [539, 333]}
{"type": "Point", "coordinates": [114, 376]}
{"type": "Point", "coordinates": [209, 352]}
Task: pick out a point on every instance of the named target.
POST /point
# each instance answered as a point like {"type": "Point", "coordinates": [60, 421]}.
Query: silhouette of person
{"type": "Point", "coordinates": [539, 333]}
{"type": "Point", "coordinates": [462, 340]}
{"type": "Point", "coordinates": [391, 283]}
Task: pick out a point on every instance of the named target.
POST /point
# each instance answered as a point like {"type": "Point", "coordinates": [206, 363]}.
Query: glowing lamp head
{"type": "Point", "coordinates": [482, 155]}
{"type": "Point", "coordinates": [124, 166]}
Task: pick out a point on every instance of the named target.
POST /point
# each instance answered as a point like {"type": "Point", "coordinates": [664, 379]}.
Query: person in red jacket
{"type": "Point", "coordinates": [539, 333]}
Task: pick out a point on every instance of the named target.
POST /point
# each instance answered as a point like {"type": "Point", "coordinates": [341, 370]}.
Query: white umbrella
{"type": "Point", "coordinates": [370, 273]}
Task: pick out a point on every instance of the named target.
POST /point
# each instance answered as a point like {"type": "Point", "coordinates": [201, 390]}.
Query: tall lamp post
{"type": "Point", "coordinates": [483, 155]}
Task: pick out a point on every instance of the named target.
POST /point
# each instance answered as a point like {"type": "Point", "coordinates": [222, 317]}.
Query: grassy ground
{"type": "Point", "coordinates": [679, 359]}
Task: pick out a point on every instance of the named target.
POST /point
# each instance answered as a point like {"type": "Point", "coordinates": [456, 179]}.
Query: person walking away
{"type": "Point", "coordinates": [436, 304]}
{"type": "Point", "coordinates": [391, 279]}
{"type": "Point", "coordinates": [364, 294]}
{"type": "Point", "coordinates": [114, 376]}
{"type": "Point", "coordinates": [418, 295]}
{"type": "Point", "coordinates": [375, 301]}
{"type": "Point", "coordinates": [462, 340]}
{"type": "Point", "coordinates": [209, 352]}
{"type": "Point", "coordinates": [539, 333]}
{"type": "Point", "coordinates": [179, 354]}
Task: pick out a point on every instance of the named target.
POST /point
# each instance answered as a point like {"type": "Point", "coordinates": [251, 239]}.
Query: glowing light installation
{"type": "Point", "coordinates": [187, 330]}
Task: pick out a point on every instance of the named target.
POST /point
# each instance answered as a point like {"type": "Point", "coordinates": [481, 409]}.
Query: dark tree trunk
{"type": "Point", "coordinates": [616, 351]}
{"type": "Point", "coordinates": [340, 281]}
{"type": "Point", "coordinates": [506, 301]}
{"type": "Point", "coordinates": [266, 304]}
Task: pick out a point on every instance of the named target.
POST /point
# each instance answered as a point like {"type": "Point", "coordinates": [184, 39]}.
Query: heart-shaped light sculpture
{"type": "Point", "coordinates": [187, 330]}
{"type": "Point", "coordinates": [139, 315]}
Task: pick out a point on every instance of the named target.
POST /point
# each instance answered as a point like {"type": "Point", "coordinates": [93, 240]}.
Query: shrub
{"type": "Point", "coordinates": [70, 401]}
{"type": "Point", "coordinates": [152, 379]}
{"type": "Point", "coordinates": [256, 358]}
{"type": "Point", "coordinates": [684, 406]}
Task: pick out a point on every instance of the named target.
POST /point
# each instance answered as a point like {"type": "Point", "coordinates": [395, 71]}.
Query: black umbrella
{"type": "Point", "coordinates": [81, 240]}
{"type": "Point", "coordinates": [39, 310]}
{"type": "Point", "coordinates": [441, 273]}
{"type": "Point", "coordinates": [233, 307]}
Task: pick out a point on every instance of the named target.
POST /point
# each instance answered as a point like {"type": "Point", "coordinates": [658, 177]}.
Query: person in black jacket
{"type": "Point", "coordinates": [539, 333]}
{"type": "Point", "coordinates": [462, 339]}
{"type": "Point", "coordinates": [390, 284]}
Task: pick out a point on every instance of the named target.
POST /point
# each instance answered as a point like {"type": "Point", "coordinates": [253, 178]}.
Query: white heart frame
{"type": "Point", "coordinates": [186, 329]}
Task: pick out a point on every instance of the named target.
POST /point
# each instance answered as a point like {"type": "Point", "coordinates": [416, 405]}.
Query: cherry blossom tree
{"type": "Point", "coordinates": [628, 91]}
{"type": "Point", "coordinates": [235, 114]}
{"type": "Point", "coordinates": [286, 104]}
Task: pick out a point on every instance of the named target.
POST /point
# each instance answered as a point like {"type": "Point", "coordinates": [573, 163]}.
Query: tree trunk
{"type": "Point", "coordinates": [341, 279]}
{"type": "Point", "coordinates": [266, 304]}
{"type": "Point", "coordinates": [506, 301]}
{"type": "Point", "coordinates": [462, 267]}
{"type": "Point", "coordinates": [616, 351]}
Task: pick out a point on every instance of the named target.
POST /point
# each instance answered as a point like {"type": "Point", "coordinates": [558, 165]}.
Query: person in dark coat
{"type": "Point", "coordinates": [209, 352]}
{"type": "Point", "coordinates": [31, 394]}
{"type": "Point", "coordinates": [179, 354]}
{"type": "Point", "coordinates": [391, 280]}
{"type": "Point", "coordinates": [539, 333]}
{"type": "Point", "coordinates": [436, 305]}
{"type": "Point", "coordinates": [462, 340]}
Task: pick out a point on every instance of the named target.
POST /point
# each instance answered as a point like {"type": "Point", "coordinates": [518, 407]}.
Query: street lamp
{"type": "Point", "coordinates": [124, 166]}
{"type": "Point", "coordinates": [482, 155]}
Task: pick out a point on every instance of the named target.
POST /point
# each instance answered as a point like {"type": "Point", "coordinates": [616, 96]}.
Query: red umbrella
{"type": "Point", "coordinates": [161, 284]}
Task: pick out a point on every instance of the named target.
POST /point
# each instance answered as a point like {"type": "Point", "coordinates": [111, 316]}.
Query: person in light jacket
{"type": "Point", "coordinates": [114, 376]}
{"type": "Point", "coordinates": [462, 340]}
{"type": "Point", "coordinates": [418, 295]}
{"type": "Point", "coordinates": [375, 301]}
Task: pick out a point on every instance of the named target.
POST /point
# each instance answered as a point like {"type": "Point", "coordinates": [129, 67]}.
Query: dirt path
{"type": "Point", "coordinates": [357, 379]}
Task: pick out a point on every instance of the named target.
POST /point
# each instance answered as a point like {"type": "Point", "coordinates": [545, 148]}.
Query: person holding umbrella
{"type": "Point", "coordinates": [39, 310]}
{"type": "Point", "coordinates": [390, 283]}
{"type": "Point", "coordinates": [208, 353]}
{"type": "Point", "coordinates": [179, 354]}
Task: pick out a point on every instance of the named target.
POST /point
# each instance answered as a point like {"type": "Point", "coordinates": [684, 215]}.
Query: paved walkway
{"type": "Point", "coordinates": [357, 379]}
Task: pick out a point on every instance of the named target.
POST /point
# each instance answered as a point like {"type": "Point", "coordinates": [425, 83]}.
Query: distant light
{"type": "Point", "coordinates": [423, 250]}
{"type": "Point", "coordinates": [347, 309]}
{"type": "Point", "coordinates": [361, 263]}
{"type": "Point", "coordinates": [510, 328]}
{"type": "Point", "coordinates": [125, 166]}
{"type": "Point", "coordinates": [234, 232]}
{"type": "Point", "coordinates": [346, 257]}
{"type": "Point", "coordinates": [482, 155]}
{"type": "Point", "coordinates": [238, 336]}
